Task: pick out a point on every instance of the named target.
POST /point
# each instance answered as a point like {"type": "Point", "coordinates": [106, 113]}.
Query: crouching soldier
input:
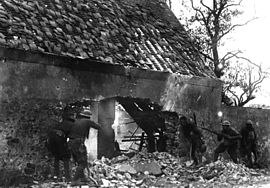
{"type": "Point", "coordinates": [230, 142]}
{"type": "Point", "coordinates": [194, 136]}
{"type": "Point", "coordinates": [249, 143]}
{"type": "Point", "coordinates": [57, 144]}
{"type": "Point", "coordinates": [78, 134]}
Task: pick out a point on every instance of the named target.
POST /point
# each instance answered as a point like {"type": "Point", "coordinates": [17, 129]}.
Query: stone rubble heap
{"type": "Point", "coordinates": [164, 170]}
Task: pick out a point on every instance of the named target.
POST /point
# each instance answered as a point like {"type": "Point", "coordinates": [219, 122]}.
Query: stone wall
{"type": "Point", "coordinates": [261, 118]}
{"type": "Point", "coordinates": [33, 86]}
{"type": "Point", "coordinates": [193, 97]}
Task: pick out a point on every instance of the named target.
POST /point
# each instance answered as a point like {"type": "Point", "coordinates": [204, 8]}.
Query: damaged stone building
{"type": "Point", "coordinates": [125, 60]}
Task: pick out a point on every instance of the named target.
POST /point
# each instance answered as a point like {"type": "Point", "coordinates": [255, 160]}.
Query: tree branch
{"type": "Point", "coordinates": [207, 56]}
{"type": "Point", "coordinates": [233, 94]}
{"type": "Point", "coordinates": [221, 8]}
{"type": "Point", "coordinates": [207, 7]}
{"type": "Point", "coordinates": [258, 81]}
{"type": "Point", "coordinates": [252, 63]}
{"type": "Point", "coordinates": [234, 26]}
{"type": "Point", "coordinates": [233, 4]}
{"type": "Point", "coordinates": [203, 19]}
{"type": "Point", "coordinates": [242, 95]}
{"type": "Point", "coordinates": [246, 101]}
{"type": "Point", "coordinates": [230, 55]}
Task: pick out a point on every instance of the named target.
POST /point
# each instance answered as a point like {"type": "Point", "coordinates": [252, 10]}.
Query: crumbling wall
{"type": "Point", "coordinates": [197, 98]}
{"type": "Point", "coordinates": [31, 99]}
{"type": "Point", "coordinates": [23, 135]}
{"type": "Point", "coordinates": [26, 115]}
{"type": "Point", "coordinates": [186, 94]}
{"type": "Point", "coordinates": [34, 85]}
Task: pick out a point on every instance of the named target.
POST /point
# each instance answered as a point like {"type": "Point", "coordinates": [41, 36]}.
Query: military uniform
{"type": "Point", "coordinates": [162, 142]}
{"type": "Point", "coordinates": [57, 145]}
{"type": "Point", "coordinates": [249, 142]}
{"type": "Point", "coordinates": [230, 142]}
{"type": "Point", "coordinates": [194, 136]}
{"type": "Point", "coordinates": [77, 135]}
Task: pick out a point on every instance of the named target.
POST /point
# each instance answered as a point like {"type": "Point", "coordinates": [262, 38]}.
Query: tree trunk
{"type": "Point", "coordinates": [217, 71]}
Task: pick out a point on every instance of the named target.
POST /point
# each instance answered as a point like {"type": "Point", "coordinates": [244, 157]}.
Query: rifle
{"type": "Point", "coordinates": [211, 131]}
{"type": "Point", "coordinates": [220, 134]}
{"type": "Point", "coordinates": [194, 118]}
{"type": "Point", "coordinates": [216, 133]}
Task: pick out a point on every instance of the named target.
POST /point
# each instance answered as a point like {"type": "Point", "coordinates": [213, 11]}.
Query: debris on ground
{"type": "Point", "coordinates": [165, 170]}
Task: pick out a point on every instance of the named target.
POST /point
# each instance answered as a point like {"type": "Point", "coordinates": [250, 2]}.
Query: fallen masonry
{"type": "Point", "coordinates": [165, 170]}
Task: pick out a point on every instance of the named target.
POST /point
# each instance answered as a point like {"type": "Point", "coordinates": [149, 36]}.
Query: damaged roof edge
{"type": "Point", "coordinates": [91, 65]}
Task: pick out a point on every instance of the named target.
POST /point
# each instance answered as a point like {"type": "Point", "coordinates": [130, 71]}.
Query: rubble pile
{"type": "Point", "coordinates": [164, 170]}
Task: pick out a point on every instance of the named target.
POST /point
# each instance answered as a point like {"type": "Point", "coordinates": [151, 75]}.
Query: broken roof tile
{"type": "Point", "coordinates": [103, 29]}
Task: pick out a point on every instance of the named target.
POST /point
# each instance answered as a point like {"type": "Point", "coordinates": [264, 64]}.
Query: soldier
{"type": "Point", "coordinates": [162, 142]}
{"type": "Point", "coordinates": [194, 136]}
{"type": "Point", "coordinates": [230, 142]}
{"type": "Point", "coordinates": [249, 142]}
{"type": "Point", "coordinates": [77, 135]}
{"type": "Point", "coordinates": [151, 142]}
{"type": "Point", "coordinates": [57, 144]}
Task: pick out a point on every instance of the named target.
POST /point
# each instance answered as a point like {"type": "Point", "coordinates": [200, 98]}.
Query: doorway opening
{"type": "Point", "coordinates": [141, 125]}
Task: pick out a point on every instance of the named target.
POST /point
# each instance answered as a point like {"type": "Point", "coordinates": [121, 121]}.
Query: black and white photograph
{"type": "Point", "coordinates": [134, 94]}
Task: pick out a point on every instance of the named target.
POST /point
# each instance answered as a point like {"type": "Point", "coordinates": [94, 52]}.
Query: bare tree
{"type": "Point", "coordinates": [213, 21]}
{"type": "Point", "coordinates": [210, 23]}
{"type": "Point", "coordinates": [241, 82]}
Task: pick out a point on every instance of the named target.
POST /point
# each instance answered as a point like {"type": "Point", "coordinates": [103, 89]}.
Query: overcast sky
{"type": "Point", "coordinates": [253, 39]}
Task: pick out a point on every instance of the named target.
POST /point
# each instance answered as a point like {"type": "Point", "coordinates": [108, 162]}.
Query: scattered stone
{"type": "Point", "coordinates": [126, 168]}
{"type": "Point", "coordinates": [172, 173]}
{"type": "Point", "coordinates": [120, 159]}
{"type": "Point", "coordinates": [149, 168]}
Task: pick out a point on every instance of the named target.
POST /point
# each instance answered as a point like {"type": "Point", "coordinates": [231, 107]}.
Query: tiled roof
{"type": "Point", "coordinates": [108, 30]}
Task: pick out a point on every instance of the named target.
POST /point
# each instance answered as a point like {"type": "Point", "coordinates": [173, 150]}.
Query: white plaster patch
{"type": "Point", "coordinates": [175, 88]}
{"type": "Point", "coordinates": [91, 144]}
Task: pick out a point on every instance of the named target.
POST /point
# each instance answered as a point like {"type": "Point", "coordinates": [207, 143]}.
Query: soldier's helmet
{"type": "Point", "coordinates": [86, 113]}
{"type": "Point", "coordinates": [249, 122]}
{"type": "Point", "coordinates": [226, 123]}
